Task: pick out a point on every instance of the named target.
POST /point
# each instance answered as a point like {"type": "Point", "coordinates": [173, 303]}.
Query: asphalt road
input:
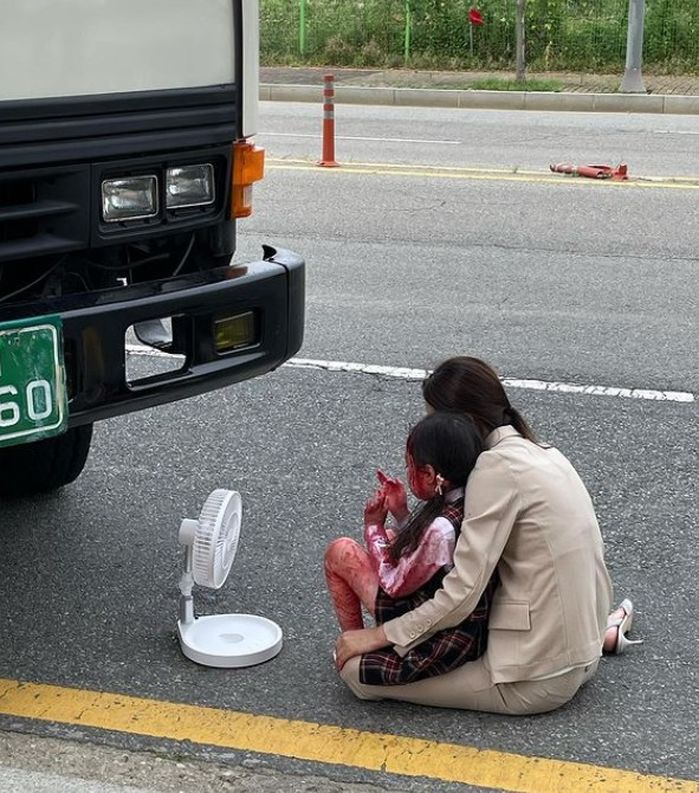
{"type": "Point", "coordinates": [554, 279]}
{"type": "Point", "coordinates": [651, 145]}
{"type": "Point", "coordinates": [582, 284]}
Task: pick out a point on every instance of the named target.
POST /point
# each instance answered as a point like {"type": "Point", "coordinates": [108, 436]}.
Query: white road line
{"type": "Point", "coordinates": [359, 137]}
{"type": "Point", "coordinates": [149, 352]}
{"type": "Point", "coordinates": [674, 132]}
{"type": "Point", "coordinates": [601, 390]}
{"type": "Point", "coordinates": [405, 373]}
{"type": "Point", "coordinates": [401, 373]}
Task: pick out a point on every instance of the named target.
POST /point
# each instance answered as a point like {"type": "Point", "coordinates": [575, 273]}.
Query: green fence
{"type": "Point", "coordinates": [435, 34]}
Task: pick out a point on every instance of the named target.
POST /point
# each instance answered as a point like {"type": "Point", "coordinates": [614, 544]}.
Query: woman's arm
{"type": "Point", "coordinates": [491, 507]}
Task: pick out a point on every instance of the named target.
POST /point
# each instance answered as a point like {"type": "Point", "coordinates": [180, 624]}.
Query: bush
{"type": "Point", "coordinates": [561, 34]}
{"type": "Point", "coordinates": [372, 55]}
{"type": "Point", "coordinates": [338, 52]}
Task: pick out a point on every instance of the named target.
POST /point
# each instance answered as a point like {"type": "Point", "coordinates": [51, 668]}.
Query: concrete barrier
{"type": "Point", "coordinates": [684, 105]}
{"type": "Point", "coordinates": [545, 100]}
{"type": "Point", "coordinates": [492, 100]}
{"type": "Point", "coordinates": [495, 100]}
{"type": "Point", "coordinates": [358, 95]}
{"type": "Point", "coordinates": [628, 103]}
{"type": "Point", "coordinates": [418, 97]}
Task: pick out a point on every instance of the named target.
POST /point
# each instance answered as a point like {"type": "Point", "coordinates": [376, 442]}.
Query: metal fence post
{"type": "Point", "coordinates": [520, 39]}
{"type": "Point", "coordinates": [406, 42]}
{"type": "Point", "coordinates": [302, 27]}
{"type": "Point", "coordinates": [632, 83]}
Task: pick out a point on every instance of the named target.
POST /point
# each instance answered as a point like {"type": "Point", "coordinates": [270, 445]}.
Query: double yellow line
{"type": "Point", "coordinates": [480, 174]}
{"type": "Point", "coordinates": [247, 732]}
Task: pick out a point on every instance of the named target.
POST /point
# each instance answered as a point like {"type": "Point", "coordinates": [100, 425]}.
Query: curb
{"type": "Point", "coordinates": [493, 100]}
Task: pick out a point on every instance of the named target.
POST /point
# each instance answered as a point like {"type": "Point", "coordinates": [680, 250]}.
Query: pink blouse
{"type": "Point", "coordinates": [413, 570]}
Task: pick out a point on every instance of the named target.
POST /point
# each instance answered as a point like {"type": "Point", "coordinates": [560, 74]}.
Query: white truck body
{"type": "Point", "coordinates": [60, 48]}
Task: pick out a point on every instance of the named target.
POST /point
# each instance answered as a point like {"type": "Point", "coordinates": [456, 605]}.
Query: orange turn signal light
{"type": "Point", "coordinates": [248, 168]}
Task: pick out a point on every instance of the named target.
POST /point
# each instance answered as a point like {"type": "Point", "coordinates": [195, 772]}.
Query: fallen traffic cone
{"type": "Point", "coordinates": [618, 174]}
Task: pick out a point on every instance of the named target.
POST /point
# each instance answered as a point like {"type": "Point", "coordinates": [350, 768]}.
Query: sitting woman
{"type": "Point", "coordinates": [399, 570]}
{"type": "Point", "coordinates": [529, 517]}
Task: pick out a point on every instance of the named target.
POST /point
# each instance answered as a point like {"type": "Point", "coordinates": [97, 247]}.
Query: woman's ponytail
{"type": "Point", "coordinates": [515, 418]}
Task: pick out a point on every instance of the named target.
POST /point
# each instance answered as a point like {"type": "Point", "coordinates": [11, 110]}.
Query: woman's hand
{"type": "Point", "coordinates": [395, 496]}
{"type": "Point", "coordinates": [352, 643]}
{"type": "Point", "coordinates": [375, 510]}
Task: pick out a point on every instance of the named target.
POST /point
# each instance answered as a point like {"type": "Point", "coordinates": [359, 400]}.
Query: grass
{"type": "Point", "coordinates": [562, 35]}
{"type": "Point", "coordinates": [501, 84]}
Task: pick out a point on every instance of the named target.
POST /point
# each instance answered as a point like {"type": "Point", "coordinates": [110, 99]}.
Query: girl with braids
{"type": "Point", "coordinates": [401, 568]}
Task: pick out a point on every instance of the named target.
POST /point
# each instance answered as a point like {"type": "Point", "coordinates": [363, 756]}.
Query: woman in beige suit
{"type": "Point", "coordinates": [527, 513]}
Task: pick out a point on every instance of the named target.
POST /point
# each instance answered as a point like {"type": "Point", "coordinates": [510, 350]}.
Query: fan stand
{"type": "Point", "coordinates": [226, 641]}
{"type": "Point", "coordinates": [230, 641]}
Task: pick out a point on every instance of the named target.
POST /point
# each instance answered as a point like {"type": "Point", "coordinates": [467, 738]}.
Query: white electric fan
{"type": "Point", "coordinates": [221, 640]}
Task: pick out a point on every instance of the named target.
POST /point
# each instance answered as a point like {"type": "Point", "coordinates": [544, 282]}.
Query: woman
{"type": "Point", "coordinates": [528, 514]}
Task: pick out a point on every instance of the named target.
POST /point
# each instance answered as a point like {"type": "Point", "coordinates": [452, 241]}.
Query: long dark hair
{"type": "Point", "coordinates": [468, 385]}
{"type": "Point", "coordinates": [450, 443]}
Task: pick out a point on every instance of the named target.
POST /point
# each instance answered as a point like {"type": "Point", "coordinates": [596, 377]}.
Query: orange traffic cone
{"type": "Point", "coordinates": [618, 174]}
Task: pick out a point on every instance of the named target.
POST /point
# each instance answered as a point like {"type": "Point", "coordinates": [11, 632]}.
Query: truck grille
{"type": "Point", "coordinates": [43, 212]}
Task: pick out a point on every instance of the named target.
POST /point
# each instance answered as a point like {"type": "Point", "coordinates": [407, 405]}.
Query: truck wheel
{"type": "Point", "coordinates": [32, 468]}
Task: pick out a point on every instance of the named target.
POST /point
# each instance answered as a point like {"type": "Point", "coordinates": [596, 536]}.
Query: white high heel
{"type": "Point", "coordinates": [623, 626]}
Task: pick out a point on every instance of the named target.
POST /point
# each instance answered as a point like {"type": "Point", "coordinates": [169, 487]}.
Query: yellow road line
{"type": "Point", "coordinates": [323, 743]}
{"type": "Point", "coordinates": [478, 174]}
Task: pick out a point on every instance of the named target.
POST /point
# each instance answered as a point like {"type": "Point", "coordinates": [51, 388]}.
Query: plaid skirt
{"type": "Point", "coordinates": [442, 652]}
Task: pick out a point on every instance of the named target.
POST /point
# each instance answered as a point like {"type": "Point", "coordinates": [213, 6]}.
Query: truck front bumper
{"type": "Point", "coordinates": [95, 329]}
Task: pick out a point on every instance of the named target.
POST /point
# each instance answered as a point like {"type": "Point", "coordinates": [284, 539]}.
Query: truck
{"type": "Point", "coordinates": [127, 157]}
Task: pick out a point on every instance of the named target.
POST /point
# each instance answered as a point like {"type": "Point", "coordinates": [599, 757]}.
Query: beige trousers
{"type": "Point", "coordinates": [470, 688]}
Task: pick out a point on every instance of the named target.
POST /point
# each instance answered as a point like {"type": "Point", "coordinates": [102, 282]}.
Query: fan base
{"type": "Point", "coordinates": [230, 641]}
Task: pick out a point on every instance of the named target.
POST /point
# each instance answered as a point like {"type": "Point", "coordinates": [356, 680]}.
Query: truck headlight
{"type": "Point", "coordinates": [189, 186]}
{"type": "Point", "coordinates": [130, 198]}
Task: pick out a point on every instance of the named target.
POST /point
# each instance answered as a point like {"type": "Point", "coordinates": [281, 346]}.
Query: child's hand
{"type": "Point", "coordinates": [375, 510]}
{"type": "Point", "coordinates": [395, 496]}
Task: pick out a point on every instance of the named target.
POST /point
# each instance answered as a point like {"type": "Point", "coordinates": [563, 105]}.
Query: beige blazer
{"type": "Point", "coordinates": [528, 513]}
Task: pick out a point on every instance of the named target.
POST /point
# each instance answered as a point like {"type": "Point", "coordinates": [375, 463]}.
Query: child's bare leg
{"type": "Point", "coordinates": [352, 581]}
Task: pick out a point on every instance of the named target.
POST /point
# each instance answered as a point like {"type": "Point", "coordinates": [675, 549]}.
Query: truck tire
{"type": "Point", "coordinates": [33, 468]}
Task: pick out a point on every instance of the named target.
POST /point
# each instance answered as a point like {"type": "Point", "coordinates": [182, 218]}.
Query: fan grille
{"type": "Point", "coordinates": [216, 539]}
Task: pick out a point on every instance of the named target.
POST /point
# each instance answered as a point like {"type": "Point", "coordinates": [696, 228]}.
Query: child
{"type": "Point", "coordinates": [400, 569]}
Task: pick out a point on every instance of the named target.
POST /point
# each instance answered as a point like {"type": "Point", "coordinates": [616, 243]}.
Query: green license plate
{"type": "Point", "coordinates": [33, 399]}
